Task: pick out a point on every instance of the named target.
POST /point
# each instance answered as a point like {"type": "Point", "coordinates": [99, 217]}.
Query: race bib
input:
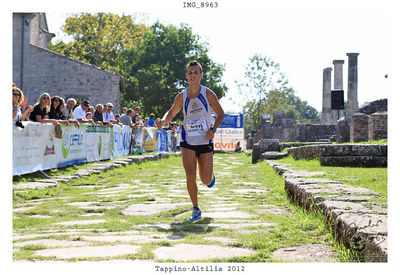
{"type": "Point", "coordinates": [196, 128]}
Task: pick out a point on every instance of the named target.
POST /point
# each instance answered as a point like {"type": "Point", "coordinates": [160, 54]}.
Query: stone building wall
{"type": "Point", "coordinates": [66, 77]}
{"type": "Point", "coordinates": [37, 69]}
{"type": "Point", "coordinates": [377, 126]}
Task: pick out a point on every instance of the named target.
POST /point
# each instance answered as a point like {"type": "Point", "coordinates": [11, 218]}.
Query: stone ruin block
{"type": "Point", "coordinates": [287, 123]}
{"type": "Point", "coordinates": [377, 126]}
{"type": "Point", "coordinates": [269, 145]}
{"type": "Point", "coordinates": [278, 116]}
{"type": "Point", "coordinates": [343, 130]}
{"type": "Point", "coordinates": [358, 127]}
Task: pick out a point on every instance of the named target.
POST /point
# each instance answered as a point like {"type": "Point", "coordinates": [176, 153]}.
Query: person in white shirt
{"type": "Point", "coordinates": [198, 129]}
{"type": "Point", "coordinates": [68, 110]}
{"type": "Point", "coordinates": [109, 115]}
{"type": "Point", "coordinates": [80, 113]}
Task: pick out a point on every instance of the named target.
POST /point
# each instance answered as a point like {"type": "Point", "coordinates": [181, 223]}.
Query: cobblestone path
{"type": "Point", "coordinates": [140, 213]}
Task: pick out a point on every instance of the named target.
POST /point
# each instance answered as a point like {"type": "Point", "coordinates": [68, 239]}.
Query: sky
{"type": "Point", "coordinates": [302, 40]}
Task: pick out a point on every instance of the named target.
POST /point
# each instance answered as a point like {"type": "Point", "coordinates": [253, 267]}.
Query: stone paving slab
{"type": "Point", "coordinates": [191, 252]}
{"type": "Point", "coordinates": [51, 243]}
{"type": "Point", "coordinates": [89, 251]}
{"type": "Point", "coordinates": [34, 185]}
{"type": "Point", "coordinates": [228, 215]}
{"type": "Point", "coordinates": [305, 253]}
{"type": "Point", "coordinates": [84, 222]}
{"type": "Point", "coordinates": [150, 209]}
{"type": "Point", "coordinates": [133, 238]}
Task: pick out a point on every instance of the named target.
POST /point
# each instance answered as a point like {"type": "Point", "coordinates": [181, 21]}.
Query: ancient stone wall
{"type": "Point", "coordinates": [374, 107]}
{"type": "Point", "coordinates": [359, 127]}
{"type": "Point", "coordinates": [370, 155]}
{"type": "Point", "coordinates": [314, 132]}
{"type": "Point", "coordinates": [37, 69]}
{"type": "Point", "coordinates": [377, 126]}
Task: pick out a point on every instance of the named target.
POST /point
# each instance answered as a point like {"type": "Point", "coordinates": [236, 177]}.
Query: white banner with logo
{"type": "Point", "coordinates": [120, 140]}
{"type": "Point", "coordinates": [226, 139]}
{"type": "Point", "coordinates": [35, 146]}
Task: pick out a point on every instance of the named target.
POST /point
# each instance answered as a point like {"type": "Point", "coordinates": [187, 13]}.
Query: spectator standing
{"type": "Point", "coordinates": [137, 110]}
{"type": "Point", "coordinates": [91, 109]}
{"type": "Point", "coordinates": [18, 101]}
{"type": "Point", "coordinates": [109, 115]}
{"type": "Point", "coordinates": [55, 111]}
{"type": "Point", "coordinates": [80, 113]}
{"type": "Point", "coordinates": [124, 110]}
{"type": "Point", "coordinates": [98, 115]}
{"type": "Point", "coordinates": [41, 110]}
{"type": "Point", "coordinates": [126, 119]}
{"type": "Point", "coordinates": [68, 110]}
{"type": "Point", "coordinates": [151, 122]}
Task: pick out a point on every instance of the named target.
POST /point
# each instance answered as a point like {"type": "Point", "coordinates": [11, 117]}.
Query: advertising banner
{"type": "Point", "coordinates": [232, 121]}
{"type": "Point", "coordinates": [226, 139]}
{"type": "Point", "coordinates": [121, 140]}
{"type": "Point", "coordinates": [137, 139]}
{"type": "Point", "coordinates": [150, 136]}
{"type": "Point", "coordinates": [35, 146]}
{"type": "Point", "coordinates": [161, 143]}
{"type": "Point", "coordinates": [30, 145]}
{"type": "Point", "coordinates": [97, 143]}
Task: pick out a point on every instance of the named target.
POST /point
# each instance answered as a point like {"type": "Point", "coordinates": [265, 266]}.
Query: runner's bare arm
{"type": "Point", "coordinates": [174, 110]}
{"type": "Point", "coordinates": [213, 100]}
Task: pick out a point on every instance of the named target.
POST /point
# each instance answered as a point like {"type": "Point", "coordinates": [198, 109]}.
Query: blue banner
{"type": "Point", "coordinates": [161, 143]}
{"type": "Point", "coordinates": [232, 121]}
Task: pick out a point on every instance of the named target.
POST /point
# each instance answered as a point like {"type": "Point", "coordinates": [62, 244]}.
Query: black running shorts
{"type": "Point", "coordinates": [199, 149]}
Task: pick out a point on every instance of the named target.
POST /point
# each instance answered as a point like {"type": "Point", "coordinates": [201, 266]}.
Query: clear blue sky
{"type": "Point", "coordinates": [303, 40]}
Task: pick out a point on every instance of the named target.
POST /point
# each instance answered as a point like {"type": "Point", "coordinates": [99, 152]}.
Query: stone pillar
{"type": "Point", "coordinates": [352, 84]}
{"type": "Point", "coordinates": [359, 127]}
{"type": "Point", "coordinates": [338, 82]}
{"type": "Point", "coordinates": [326, 97]}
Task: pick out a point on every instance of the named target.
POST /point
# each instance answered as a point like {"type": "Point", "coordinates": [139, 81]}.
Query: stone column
{"type": "Point", "coordinates": [326, 97]}
{"type": "Point", "coordinates": [352, 84]}
{"type": "Point", "coordinates": [338, 82]}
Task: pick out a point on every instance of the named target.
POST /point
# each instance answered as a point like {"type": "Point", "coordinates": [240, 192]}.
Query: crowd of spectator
{"type": "Point", "coordinates": [57, 111]}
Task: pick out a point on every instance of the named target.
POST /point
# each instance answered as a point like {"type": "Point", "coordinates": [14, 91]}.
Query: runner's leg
{"type": "Point", "coordinates": [206, 167]}
{"type": "Point", "coordinates": [189, 164]}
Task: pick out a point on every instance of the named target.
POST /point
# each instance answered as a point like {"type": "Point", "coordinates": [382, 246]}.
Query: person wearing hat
{"type": "Point", "coordinates": [109, 115]}
{"type": "Point", "coordinates": [80, 113]}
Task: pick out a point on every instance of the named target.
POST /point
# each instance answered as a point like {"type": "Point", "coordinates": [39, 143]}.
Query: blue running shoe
{"type": "Point", "coordinates": [196, 214]}
{"type": "Point", "coordinates": [212, 182]}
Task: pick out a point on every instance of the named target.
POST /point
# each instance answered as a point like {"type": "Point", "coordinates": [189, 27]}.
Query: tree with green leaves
{"type": "Point", "coordinates": [99, 39]}
{"type": "Point", "coordinates": [266, 90]}
{"type": "Point", "coordinates": [154, 72]}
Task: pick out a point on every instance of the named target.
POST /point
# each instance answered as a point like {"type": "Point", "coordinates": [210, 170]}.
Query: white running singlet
{"type": "Point", "coordinates": [197, 118]}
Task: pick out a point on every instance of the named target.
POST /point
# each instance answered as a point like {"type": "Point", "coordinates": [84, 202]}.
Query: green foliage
{"type": "Point", "coordinates": [267, 91]}
{"type": "Point", "coordinates": [100, 38]}
{"type": "Point", "coordinates": [154, 72]}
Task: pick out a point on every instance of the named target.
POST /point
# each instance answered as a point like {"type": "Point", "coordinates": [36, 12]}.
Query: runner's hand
{"type": "Point", "coordinates": [210, 134]}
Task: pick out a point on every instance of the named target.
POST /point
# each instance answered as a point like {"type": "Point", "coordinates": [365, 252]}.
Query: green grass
{"type": "Point", "coordinates": [298, 227]}
{"type": "Point", "coordinates": [374, 179]}
{"type": "Point", "coordinates": [379, 141]}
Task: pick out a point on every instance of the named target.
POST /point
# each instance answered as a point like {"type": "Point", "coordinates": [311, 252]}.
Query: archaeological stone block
{"type": "Point", "coordinates": [377, 126]}
{"type": "Point", "coordinates": [358, 127]}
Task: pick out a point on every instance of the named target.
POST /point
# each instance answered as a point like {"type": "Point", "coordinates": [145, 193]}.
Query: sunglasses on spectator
{"type": "Point", "coordinates": [17, 94]}
{"type": "Point", "coordinates": [56, 100]}
{"type": "Point", "coordinates": [46, 98]}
